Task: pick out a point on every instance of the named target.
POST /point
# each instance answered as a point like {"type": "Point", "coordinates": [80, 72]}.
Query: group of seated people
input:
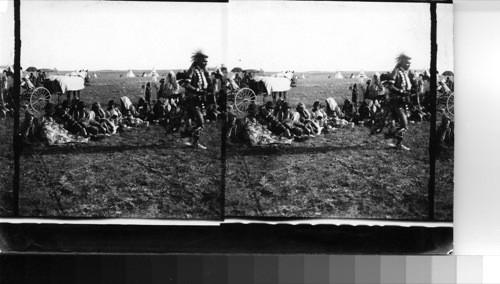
{"type": "Point", "coordinates": [279, 123]}
{"type": "Point", "coordinates": [274, 122]}
{"type": "Point", "coordinates": [75, 121]}
{"type": "Point", "coordinates": [95, 121]}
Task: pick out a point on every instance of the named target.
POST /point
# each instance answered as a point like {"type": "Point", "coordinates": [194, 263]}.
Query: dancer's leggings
{"type": "Point", "coordinates": [196, 116]}
{"type": "Point", "coordinates": [398, 108]}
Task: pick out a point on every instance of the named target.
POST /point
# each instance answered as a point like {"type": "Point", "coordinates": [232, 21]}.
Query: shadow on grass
{"type": "Point", "coordinates": [94, 149]}
{"type": "Point", "coordinates": [295, 150]}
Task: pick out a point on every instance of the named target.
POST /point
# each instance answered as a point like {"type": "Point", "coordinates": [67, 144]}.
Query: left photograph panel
{"type": "Point", "coordinates": [6, 121]}
{"type": "Point", "coordinates": [118, 109]}
{"type": "Point", "coordinates": [6, 160]}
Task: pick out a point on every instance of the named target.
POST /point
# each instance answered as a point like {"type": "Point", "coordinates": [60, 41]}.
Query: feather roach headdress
{"type": "Point", "coordinates": [198, 56]}
{"type": "Point", "coordinates": [401, 59]}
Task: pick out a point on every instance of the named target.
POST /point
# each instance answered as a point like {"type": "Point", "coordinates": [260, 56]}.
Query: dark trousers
{"type": "Point", "coordinates": [399, 111]}
{"type": "Point", "coordinates": [195, 116]}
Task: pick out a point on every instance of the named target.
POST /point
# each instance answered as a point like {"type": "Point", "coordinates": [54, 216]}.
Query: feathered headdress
{"type": "Point", "coordinates": [401, 59]}
{"type": "Point", "coordinates": [198, 56]}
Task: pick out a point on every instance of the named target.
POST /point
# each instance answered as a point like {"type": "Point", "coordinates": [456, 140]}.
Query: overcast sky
{"type": "Point", "coordinates": [335, 35]}
{"type": "Point", "coordinates": [273, 35]}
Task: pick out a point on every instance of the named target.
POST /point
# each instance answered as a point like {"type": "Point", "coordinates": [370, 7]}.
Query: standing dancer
{"type": "Point", "coordinates": [400, 87]}
{"type": "Point", "coordinates": [197, 85]}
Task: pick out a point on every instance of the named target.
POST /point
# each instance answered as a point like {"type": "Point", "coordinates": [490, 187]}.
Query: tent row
{"type": "Point", "coordinates": [339, 75]}
{"type": "Point", "coordinates": [153, 73]}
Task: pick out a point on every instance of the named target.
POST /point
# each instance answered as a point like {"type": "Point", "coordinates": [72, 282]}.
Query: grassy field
{"type": "Point", "coordinates": [141, 173]}
{"type": "Point", "coordinates": [6, 167]}
{"type": "Point", "coordinates": [145, 173]}
{"type": "Point", "coordinates": [345, 174]}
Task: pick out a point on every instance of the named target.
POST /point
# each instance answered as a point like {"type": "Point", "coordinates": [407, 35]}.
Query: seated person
{"type": "Point", "coordinates": [334, 114]}
{"type": "Point", "coordinates": [303, 116]}
{"type": "Point", "coordinates": [364, 110]}
{"type": "Point", "coordinates": [332, 108]}
{"type": "Point", "coordinates": [271, 107]}
{"type": "Point", "coordinates": [126, 107]}
{"type": "Point", "coordinates": [267, 118]}
{"type": "Point", "coordinates": [113, 113]}
{"type": "Point", "coordinates": [286, 117]}
{"type": "Point", "coordinates": [87, 118]}
{"type": "Point", "coordinates": [100, 116]}
{"type": "Point", "coordinates": [159, 111]}
{"type": "Point", "coordinates": [129, 113]}
{"type": "Point", "coordinates": [349, 111]}
{"type": "Point", "coordinates": [63, 116]}
{"type": "Point", "coordinates": [143, 109]}
{"type": "Point", "coordinates": [319, 114]}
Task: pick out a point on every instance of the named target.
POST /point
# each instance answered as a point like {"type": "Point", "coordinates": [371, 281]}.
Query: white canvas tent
{"type": "Point", "coordinates": [153, 73]}
{"type": "Point", "coordinates": [339, 75]}
{"type": "Point", "coordinates": [361, 75]}
{"type": "Point", "coordinates": [130, 73]}
{"type": "Point", "coordinates": [302, 76]}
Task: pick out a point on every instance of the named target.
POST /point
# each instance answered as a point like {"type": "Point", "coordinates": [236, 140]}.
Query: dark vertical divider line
{"type": "Point", "coordinates": [433, 136]}
{"type": "Point", "coordinates": [17, 91]}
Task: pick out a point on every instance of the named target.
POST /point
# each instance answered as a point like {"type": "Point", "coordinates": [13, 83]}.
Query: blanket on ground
{"type": "Point", "coordinates": [46, 130]}
{"type": "Point", "coordinates": [257, 135]}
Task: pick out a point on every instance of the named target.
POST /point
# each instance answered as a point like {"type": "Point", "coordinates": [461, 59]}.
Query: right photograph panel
{"type": "Point", "coordinates": [329, 111]}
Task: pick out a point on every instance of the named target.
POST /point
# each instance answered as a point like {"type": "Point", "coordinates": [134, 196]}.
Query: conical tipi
{"type": "Point", "coordinates": [361, 75]}
{"type": "Point", "coordinates": [339, 75]}
{"type": "Point", "coordinates": [130, 73]}
{"type": "Point", "coordinates": [153, 73]}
